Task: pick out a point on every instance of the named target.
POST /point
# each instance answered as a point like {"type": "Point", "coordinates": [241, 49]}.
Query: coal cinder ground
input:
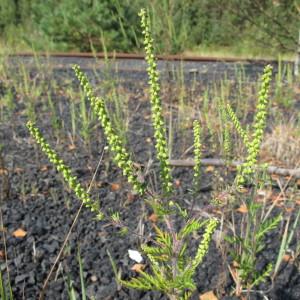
{"type": "Point", "coordinates": [40, 204]}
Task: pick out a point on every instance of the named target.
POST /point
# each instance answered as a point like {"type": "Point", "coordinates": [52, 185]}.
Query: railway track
{"type": "Point", "coordinates": [135, 56]}
{"type": "Point", "coordinates": [133, 66]}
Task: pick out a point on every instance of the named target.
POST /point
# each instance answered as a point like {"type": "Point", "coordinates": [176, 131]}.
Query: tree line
{"type": "Point", "coordinates": [177, 25]}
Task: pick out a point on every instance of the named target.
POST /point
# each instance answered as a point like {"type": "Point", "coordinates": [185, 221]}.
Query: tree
{"type": "Point", "coordinates": [273, 22]}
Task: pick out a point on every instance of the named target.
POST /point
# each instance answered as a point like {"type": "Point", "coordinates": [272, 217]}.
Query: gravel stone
{"type": "Point", "coordinates": [46, 208]}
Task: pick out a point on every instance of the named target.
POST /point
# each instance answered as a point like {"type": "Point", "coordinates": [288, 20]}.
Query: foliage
{"type": "Point", "coordinates": [178, 25]}
{"type": "Point", "coordinates": [7, 13]}
{"type": "Point", "coordinates": [172, 272]}
{"type": "Point", "coordinates": [99, 23]}
{"type": "Point", "coordinates": [277, 21]}
{"type": "Point", "coordinates": [248, 244]}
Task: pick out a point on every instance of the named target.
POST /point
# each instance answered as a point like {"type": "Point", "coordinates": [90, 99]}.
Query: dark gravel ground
{"type": "Point", "coordinates": [41, 205]}
{"type": "Point", "coordinates": [136, 68]}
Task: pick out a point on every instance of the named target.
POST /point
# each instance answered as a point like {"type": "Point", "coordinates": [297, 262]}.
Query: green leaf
{"type": "Point", "coordinates": [191, 226]}
{"type": "Point", "coordinates": [267, 226]}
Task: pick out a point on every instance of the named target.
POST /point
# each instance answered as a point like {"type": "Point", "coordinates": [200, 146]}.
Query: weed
{"type": "Point", "coordinates": [197, 154]}
{"type": "Point", "coordinates": [55, 120]}
{"type": "Point", "coordinates": [7, 105]}
{"type": "Point", "coordinates": [247, 245]}
{"type": "Point", "coordinates": [289, 233]}
{"type": "Point", "coordinates": [115, 103]}
{"type": "Point", "coordinates": [65, 171]}
{"type": "Point", "coordinates": [248, 242]}
{"type": "Point", "coordinates": [284, 95]}
{"type": "Point", "coordinates": [172, 266]}
{"type": "Point", "coordinates": [172, 269]}
{"type": "Point", "coordinates": [156, 107]}
{"type": "Point", "coordinates": [85, 119]}
{"type": "Point", "coordinates": [5, 289]}
{"type": "Point", "coordinates": [71, 291]}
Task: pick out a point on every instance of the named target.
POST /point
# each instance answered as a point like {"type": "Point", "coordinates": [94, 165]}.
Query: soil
{"type": "Point", "coordinates": [41, 205]}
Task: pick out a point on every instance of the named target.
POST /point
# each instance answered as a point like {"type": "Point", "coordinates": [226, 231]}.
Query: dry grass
{"type": "Point", "coordinates": [282, 145]}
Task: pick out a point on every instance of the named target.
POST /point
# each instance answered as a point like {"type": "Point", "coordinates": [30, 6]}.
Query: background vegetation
{"type": "Point", "coordinates": [232, 26]}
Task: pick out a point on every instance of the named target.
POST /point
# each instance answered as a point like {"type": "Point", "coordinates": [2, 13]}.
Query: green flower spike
{"type": "Point", "coordinates": [227, 143]}
{"type": "Point", "coordinates": [197, 154]}
{"type": "Point", "coordinates": [259, 125]}
{"type": "Point", "coordinates": [64, 170]}
{"type": "Point", "coordinates": [120, 155]}
{"type": "Point", "coordinates": [237, 125]}
{"type": "Point", "coordinates": [204, 245]}
{"type": "Point", "coordinates": [156, 107]}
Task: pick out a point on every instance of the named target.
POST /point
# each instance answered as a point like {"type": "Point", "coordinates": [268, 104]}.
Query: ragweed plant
{"type": "Point", "coordinates": [246, 247]}
{"type": "Point", "coordinates": [156, 107]}
{"type": "Point", "coordinates": [243, 134]}
{"type": "Point", "coordinates": [248, 241]}
{"type": "Point", "coordinates": [120, 154]}
{"type": "Point", "coordinates": [226, 138]}
{"type": "Point", "coordinates": [247, 169]}
{"type": "Point", "coordinates": [172, 266]}
{"type": "Point", "coordinates": [197, 154]}
{"type": "Point", "coordinates": [253, 142]}
{"type": "Point", "coordinates": [72, 181]}
{"type": "Point", "coordinates": [172, 269]}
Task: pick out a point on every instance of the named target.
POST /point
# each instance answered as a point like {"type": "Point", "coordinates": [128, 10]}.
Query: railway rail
{"type": "Point", "coordinates": [136, 56]}
{"type": "Point", "coordinates": [133, 66]}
